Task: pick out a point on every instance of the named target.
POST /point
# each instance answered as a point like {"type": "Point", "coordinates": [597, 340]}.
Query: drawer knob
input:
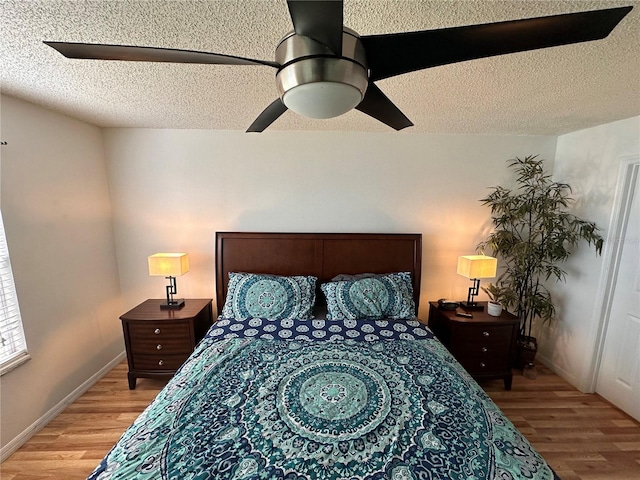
{"type": "Point", "coordinates": [157, 331]}
{"type": "Point", "coordinates": [159, 347]}
{"type": "Point", "coordinates": [161, 362]}
{"type": "Point", "coordinates": [485, 333]}
{"type": "Point", "coordinates": [485, 349]}
{"type": "Point", "coordinates": [483, 365]}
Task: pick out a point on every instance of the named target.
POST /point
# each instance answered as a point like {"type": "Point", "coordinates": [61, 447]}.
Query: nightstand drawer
{"type": "Point", "coordinates": [477, 365]}
{"type": "Point", "coordinates": [167, 345]}
{"type": "Point", "coordinates": [159, 362]}
{"type": "Point", "coordinates": [160, 337]}
{"type": "Point", "coordinates": [481, 352]}
{"type": "Point", "coordinates": [483, 348]}
{"type": "Point", "coordinates": [478, 336]}
{"type": "Point", "coordinates": [159, 330]}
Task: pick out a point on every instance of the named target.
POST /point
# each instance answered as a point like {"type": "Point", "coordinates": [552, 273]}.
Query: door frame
{"type": "Point", "coordinates": [628, 182]}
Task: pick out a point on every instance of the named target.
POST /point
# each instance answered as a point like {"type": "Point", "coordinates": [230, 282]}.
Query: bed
{"type": "Point", "coordinates": [352, 386]}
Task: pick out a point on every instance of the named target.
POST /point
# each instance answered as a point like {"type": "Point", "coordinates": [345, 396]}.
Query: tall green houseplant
{"type": "Point", "coordinates": [533, 235]}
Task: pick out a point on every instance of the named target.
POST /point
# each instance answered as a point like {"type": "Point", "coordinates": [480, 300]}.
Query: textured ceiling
{"type": "Point", "coordinates": [552, 91]}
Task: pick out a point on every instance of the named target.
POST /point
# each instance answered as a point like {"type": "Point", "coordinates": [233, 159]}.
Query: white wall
{"type": "Point", "coordinates": [588, 160]}
{"type": "Point", "coordinates": [57, 215]}
{"type": "Point", "coordinates": [173, 189]}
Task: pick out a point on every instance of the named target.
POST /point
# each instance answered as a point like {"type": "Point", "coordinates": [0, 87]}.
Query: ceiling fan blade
{"type": "Point", "coordinates": [395, 54]}
{"type": "Point", "coordinates": [320, 20]}
{"type": "Point", "coordinates": [268, 116]}
{"type": "Point", "coordinates": [150, 54]}
{"type": "Point", "coordinates": [377, 105]}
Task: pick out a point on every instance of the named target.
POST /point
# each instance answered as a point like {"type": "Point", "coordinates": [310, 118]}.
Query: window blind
{"type": "Point", "coordinates": [13, 347]}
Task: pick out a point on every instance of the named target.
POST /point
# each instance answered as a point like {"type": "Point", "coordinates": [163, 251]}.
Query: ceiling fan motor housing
{"type": "Point", "coordinates": [315, 82]}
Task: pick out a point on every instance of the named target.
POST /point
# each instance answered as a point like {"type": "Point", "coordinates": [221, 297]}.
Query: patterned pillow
{"type": "Point", "coordinates": [251, 295]}
{"type": "Point", "coordinates": [381, 296]}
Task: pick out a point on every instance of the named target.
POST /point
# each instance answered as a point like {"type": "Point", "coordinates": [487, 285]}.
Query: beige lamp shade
{"type": "Point", "coordinates": [168, 264]}
{"type": "Point", "coordinates": [477, 266]}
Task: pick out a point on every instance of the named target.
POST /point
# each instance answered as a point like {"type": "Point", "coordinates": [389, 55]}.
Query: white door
{"type": "Point", "coordinates": [619, 375]}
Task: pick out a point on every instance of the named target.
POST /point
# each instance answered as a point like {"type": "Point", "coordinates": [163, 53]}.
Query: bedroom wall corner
{"type": "Point", "coordinates": [58, 220]}
{"type": "Point", "coordinates": [589, 160]}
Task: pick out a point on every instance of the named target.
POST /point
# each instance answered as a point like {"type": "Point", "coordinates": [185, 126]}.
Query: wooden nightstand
{"type": "Point", "coordinates": [159, 341]}
{"type": "Point", "coordinates": [484, 345]}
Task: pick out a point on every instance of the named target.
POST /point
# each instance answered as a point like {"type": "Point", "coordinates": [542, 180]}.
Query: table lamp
{"type": "Point", "coordinates": [476, 267]}
{"type": "Point", "coordinates": [170, 266]}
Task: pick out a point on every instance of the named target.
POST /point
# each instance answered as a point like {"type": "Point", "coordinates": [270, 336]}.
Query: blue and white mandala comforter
{"type": "Point", "coordinates": [321, 399]}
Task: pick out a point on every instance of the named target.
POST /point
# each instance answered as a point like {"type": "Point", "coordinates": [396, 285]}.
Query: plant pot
{"type": "Point", "coordinates": [494, 309]}
{"type": "Point", "coordinates": [526, 349]}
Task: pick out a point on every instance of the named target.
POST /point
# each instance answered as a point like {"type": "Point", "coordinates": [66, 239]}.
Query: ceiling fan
{"type": "Point", "coordinates": [325, 69]}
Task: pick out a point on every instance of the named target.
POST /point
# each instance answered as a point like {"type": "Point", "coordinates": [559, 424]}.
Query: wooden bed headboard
{"type": "Point", "coordinates": [323, 255]}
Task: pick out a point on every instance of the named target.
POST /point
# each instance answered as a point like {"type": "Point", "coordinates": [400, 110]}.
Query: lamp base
{"type": "Point", "coordinates": [471, 306]}
{"type": "Point", "coordinates": [175, 305]}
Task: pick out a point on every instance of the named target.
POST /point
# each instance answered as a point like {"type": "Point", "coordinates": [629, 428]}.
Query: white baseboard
{"type": "Point", "coordinates": [561, 372]}
{"type": "Point", "coordinates": [39, 424]}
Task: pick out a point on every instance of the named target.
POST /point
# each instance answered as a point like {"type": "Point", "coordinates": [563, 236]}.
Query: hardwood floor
{"type": "Point", "coordinates": [73, 444]}
{"type": "Point", "coordinates": [581, 436]}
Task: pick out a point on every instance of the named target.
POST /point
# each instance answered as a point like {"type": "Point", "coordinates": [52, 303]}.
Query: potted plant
{"type": "Point", "coordinates": [533, 235]}
{"type": "Point", "coordinates": [494, 292]}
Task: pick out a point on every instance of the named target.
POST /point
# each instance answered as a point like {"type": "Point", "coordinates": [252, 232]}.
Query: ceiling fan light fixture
{"type": "Point", "coordinates": [322, 87]}
{"type": "Point", "coordinates": [322, 99]}
{"type": "Point", "coordinates": [316, 83]}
